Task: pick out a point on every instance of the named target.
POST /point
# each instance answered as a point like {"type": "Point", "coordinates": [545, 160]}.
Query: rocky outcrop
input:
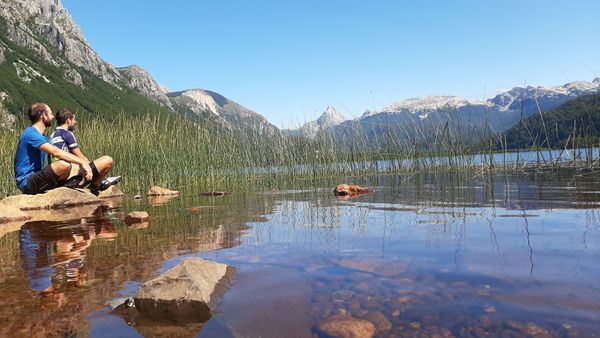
{"type": "Point", "coordinates": [185, 293]}
{"type": "Point", "coordinates": [221, 110]}
{"type": "Point", "coordinates": [139, 79]}
{"type": "Point", "coordinates": [345, 326]}
{"type": "Point", "coordinates": [158, 191]}
{"type": "Point", "coordinates": [7, 120]}
{"type": "Point", "coordinates": [43, 24]}
{"type": "Point", "coordinates": [53, 199]}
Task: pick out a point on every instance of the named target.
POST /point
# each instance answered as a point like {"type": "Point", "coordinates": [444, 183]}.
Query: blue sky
{"type": "Point", "coordinates": [289, 60]}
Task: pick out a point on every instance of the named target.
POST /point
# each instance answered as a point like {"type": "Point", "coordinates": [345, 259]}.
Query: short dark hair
{"type": "Point", "coordinates": [36, 111]}
{"type": "Point", "coordinates": [63, 115]}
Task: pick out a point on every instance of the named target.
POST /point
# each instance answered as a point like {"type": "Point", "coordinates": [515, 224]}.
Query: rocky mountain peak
{"type": "Point", "coordinates": [330, 117]}
{"type": "Point", "coordinates": [596, 81]}
{"type": "Point", "coordinates": [139, 79]}
{"type": "Point", "coordinates": [42, 24]}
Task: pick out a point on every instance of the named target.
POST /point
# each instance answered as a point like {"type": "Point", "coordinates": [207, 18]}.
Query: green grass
{"type": "Point", "coordinates": [171, 151]}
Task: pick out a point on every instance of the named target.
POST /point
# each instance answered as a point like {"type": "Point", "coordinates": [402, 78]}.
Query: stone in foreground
{"type": "Point", "coordinates": [186, 293]}
{"type": "Point", "coordinates": [345, 326]}
{"type": "Point", "coordinates": [53, 199]}
{"type": "Point", "coordinates": [158, 191]}
{"type": "Point", "coordinates": [350, 190]}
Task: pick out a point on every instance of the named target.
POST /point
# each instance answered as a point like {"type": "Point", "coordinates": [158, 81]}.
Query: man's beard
{"type": "Point", "coordinates": [71, 128]}
{"type": "Point", "coordinates": [48, 123]}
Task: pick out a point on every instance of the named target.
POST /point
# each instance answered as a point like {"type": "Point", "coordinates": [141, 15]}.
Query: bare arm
{"type": "Point", "coordinates": [65, 156]}
{"type": "Point", "coordinates": [77, 152]}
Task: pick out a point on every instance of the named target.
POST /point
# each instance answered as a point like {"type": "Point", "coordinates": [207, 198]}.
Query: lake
{"type": "Point", "coordinates": [447, 254]}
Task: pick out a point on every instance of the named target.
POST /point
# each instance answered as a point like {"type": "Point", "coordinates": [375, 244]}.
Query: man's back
{"type": "Point", "coordinates": [29, 159]}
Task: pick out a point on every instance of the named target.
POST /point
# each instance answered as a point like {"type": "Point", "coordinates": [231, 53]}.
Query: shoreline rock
{"type": "Point", "coordinates": [58, 198]}
{"type": "Point", "coordinates": [158, 191]}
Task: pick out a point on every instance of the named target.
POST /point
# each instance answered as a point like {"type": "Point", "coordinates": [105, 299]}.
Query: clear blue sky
{"type": "Point", "coordinates": [289, 60]}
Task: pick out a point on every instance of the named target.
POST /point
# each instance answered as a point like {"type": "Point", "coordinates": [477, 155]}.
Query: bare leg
{"type": "Point", "coordinates": [104, 164]}
{"type": "Point", "coordinates": [62, 169]}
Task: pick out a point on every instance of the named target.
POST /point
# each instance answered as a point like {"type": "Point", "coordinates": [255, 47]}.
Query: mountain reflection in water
{"type": "Point", "coordinates": [423, 255]}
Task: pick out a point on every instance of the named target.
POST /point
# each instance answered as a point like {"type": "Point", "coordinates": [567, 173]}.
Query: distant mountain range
{"type": "Point", "coordinates": [45, 57]}
{"type": "Point", "coordinates": [409, 117]}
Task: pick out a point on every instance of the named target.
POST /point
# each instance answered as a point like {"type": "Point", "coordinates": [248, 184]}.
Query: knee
{"type": "Point", "coordinates": [108, 161]}
{"type": "Point", "coordinates": [62, 165]}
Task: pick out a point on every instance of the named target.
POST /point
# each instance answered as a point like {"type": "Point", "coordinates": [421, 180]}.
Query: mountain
{"type": "Point", "coordinates": [140, 80]}
{"type": "Point", "coordinates": [204, 104]}
{"type": "Point", "coordinates": [577, 119]}
{"type": "Point", "coordinates": [426, 117]}
{"type": "Point", "coordinates": [45, 57]}
{"type": "Point", "coordinates": [328, 119]}
{"type": "Point", "coordinates": [535, 99]}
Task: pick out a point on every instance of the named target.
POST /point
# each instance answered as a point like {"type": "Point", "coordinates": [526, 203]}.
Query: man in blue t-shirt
{"type": "Point", "coordinates": [32, 177]}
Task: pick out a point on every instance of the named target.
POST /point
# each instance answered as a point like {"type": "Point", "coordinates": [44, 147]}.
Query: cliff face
{"type": "Point", "coordinates": [45, 27]}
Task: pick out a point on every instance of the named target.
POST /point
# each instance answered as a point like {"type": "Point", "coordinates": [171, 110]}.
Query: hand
{"type": "Point", "coordinates": [87, 171]}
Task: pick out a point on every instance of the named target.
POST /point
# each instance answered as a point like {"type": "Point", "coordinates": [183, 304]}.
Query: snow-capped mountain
{"type": "Point", "coordinates": [205, 104]}
{"type": "Point", "coordinates": [328, 119]}
{"type": "Point", "coordinates": [423, 106]}
{"type": "Point", "coordinates": [530, 97]}
{"type": "Point", "coordinates": [410, 117]}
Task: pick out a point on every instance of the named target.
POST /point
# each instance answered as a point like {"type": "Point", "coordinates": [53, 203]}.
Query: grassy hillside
{"type": "Point", "coordinates": [97, 96]}
{"type": "Point", "coordinates": [576, 123]}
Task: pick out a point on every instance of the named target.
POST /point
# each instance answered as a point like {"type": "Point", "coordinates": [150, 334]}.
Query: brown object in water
{"type": "Point", "coordinates": [350, 190]}
{"type": "Point", "coordinates": [158, 191]}
{"type": "Point", "coordinates": [215, 193]}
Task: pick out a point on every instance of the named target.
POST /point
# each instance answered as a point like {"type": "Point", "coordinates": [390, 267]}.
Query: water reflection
{"type": "Point", "coordinates": [449, 254]}
{"type": "Point", "coordinates": [53, 255]}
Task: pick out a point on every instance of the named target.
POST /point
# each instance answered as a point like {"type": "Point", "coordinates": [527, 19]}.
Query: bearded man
{"type": "Point", "coordinates": [32, 177]}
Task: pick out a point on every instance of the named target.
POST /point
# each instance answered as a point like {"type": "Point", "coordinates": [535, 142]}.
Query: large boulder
{"type": "Point", "coordinates": [158, 191]}
{"type": "Point", "coordinates": [186, 293]}
{"type": "Point", "coordinates": [9, 213]}
{"type": "Point", "coordinates": [53, 199]}
{"type": "Point", "coordinates": [350, 190]}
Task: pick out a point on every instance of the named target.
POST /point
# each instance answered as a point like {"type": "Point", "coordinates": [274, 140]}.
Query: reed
{"type": "Point", "coordinates": [171, 151]}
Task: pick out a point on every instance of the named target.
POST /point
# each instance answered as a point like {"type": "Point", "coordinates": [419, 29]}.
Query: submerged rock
{"type": "Point", "coordinates": [53, 199]}
{"type": "Point", "coordinates": [158, 191]}
{"type": "Point", "coordinates": [136, 217]}
{"type": "Point", "coordinates": [344, 326]}
{"type": "Point", "coordinates": [186, 293]}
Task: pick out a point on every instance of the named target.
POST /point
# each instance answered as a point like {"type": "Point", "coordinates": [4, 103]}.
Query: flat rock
{"type": "Point", "coordinates": [158, 191]}
{"type": "Point", "coordinates": [53, 199]}
{"type": "Point", "coordinates": [186, 293]}
{"type": "Point", "coordinates": [112, 191]}
{"type": "Point", "coordinates": [344, 326]}
{"type": "Point", "coordinates": [137, 217]}
{"type": "Point", "coordinates": [9, 213]}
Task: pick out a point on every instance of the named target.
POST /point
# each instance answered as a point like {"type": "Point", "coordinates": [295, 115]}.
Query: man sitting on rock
{"type": "Point", "coordinates": [30, 174]}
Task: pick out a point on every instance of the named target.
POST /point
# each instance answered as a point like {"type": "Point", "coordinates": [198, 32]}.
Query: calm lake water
{"type": "Point", "coordinates": [500, 255]}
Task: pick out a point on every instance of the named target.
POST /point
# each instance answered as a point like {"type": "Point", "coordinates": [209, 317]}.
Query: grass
{"type": "Point", "coordinates": [171, 151]}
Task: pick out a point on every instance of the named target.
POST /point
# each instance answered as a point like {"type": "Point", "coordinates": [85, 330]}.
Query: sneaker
{"type": "Point", "coordinates": [76, 181]}
{"type": "Point", "coordinates": [108, 182]}
{"type": "Point", "coordinates": [96, 189]}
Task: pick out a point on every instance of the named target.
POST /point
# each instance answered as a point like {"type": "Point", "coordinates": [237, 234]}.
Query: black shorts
{"type": "Point", "coordinates": [41, 181]}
